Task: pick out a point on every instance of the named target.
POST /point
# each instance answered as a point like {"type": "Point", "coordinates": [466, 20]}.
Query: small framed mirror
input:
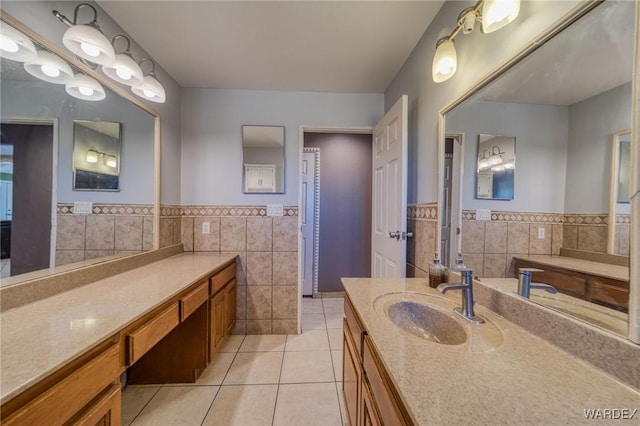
{"type": "Point", "coordinates": [263, 159]}
{"type": "Point", "coordinates": [96, 155]}
{"type": "Point", "coordinates": [496, 167]}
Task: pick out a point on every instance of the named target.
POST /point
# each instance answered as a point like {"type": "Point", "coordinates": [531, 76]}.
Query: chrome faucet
{"type": "Point", "coordinates": [466, 285]}
{"type": "Point", "coordinates": [525, 285]}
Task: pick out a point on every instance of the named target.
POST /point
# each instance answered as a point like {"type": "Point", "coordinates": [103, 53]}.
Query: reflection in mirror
{"type": "Point", "coordinates": [96, 155]}
{"type": "Point", "coordinates": [624, 167]}
{"type": "Point", "coordinates": [563, 102]}
{"type": "Point", "coordinates": [48, 226]}
{"type": "Point", "coordinates": [496, 167]}
{"type": "Point", "coordinates": [263, 159]}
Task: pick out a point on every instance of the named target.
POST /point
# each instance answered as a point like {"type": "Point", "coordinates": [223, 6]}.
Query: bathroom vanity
{"type": "Point", "coordinates": [499, 374]}
{"type": "Point", "coordinates": [596, 282]}
{"type": "Point", "coordinates": [62, 356]}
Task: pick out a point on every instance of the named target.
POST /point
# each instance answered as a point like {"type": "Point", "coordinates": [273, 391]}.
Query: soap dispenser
{"type": "Point", "coordinates": [436, 272]}
{"type": "Point", "coordinates": [459, 266]}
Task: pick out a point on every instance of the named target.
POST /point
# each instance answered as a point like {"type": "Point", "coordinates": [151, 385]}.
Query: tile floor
{"type": "Point", "coordinates": [274, 380]}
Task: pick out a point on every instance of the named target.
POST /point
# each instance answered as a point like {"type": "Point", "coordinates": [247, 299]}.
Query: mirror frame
{"type": "Point", "coordinates": [118, 90]}
{"type": "Point", "coordinates": [563, 23]}
{"type": "Point", "coordinates": [613, 189]}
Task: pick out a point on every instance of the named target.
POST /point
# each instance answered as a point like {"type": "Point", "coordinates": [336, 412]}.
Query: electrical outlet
{"type": "Point", "coordinates": [541, 233]}
{"type": "Point", "coordinates": [206, 227]}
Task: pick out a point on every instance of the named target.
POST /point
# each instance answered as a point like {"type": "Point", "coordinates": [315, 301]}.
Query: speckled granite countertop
{"type": "Point", "coordinates": [40, 337]}
{"type": "Point", "coordinates": [523, 381]}
{"type": "Point", "coordinates": [581, 265]}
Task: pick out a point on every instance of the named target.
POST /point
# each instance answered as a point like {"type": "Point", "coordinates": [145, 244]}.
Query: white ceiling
{"type": "Point", "coordinates": [592, 56]}
{"type": "Point", "coordinates": [327, 46]}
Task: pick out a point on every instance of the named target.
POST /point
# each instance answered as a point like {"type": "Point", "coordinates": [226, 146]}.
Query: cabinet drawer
{"type": "Point", "coordinates": [105, 411]}
{"type": "Point", "coordinates": [193, 300]}
{"type": "Point", "coordinates": [355, 328]}
{"type": "Point", "coordinates": [64, 399]}
{"type": "Point", "coordinates": [609, 293]}
{"type": "Point", "coordinates": [144, 338]}
{"type": "Point", "coordinates": [565, 282]}
{"type": "Point", "coordinates": [221, 278]}
{"type": "Point", "coordinates": [380, 390]}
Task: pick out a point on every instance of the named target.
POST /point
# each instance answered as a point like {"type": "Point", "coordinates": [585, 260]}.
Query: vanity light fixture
{"type": "Point", "coordinates": [87, 40]}
{"type": "Point", "coordinates": [86, 88]}
{"type": "Point", "coordinates": [16, 46]}
{"type": "Point", "coordinates": [493, 14]}
{"type": "Point", "coordinates": [150, 89]}
{"type": "Point", "coordinates": [125, 69]}
{"type": "Point", "coordinates": [49, 67]}
{"type": "Point", "coordinates": [109, 160]}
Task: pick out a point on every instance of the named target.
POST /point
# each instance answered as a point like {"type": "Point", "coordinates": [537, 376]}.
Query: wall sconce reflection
{"type": "Point", "coordinates": [110, 160]}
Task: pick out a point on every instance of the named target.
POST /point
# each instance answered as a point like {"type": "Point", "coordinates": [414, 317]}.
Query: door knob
{"type": "Point", "coordinates": [394, 234]}
{"type": "Point", "coordinates": [406, 235]}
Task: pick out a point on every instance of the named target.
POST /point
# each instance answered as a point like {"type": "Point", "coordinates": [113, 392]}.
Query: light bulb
{"type": "Point", "coordinates": [8, 45]}
{"type": "Point", "coordinates": [92, 156]}
{"type": "Point", "coordinates": [498, 13]}
{"type": "Point", "coordinates": [445, 61]}
{"type": "Point", "coordinates": [50, 70]}
{"type": "Point", "coordinates": [90, 49]}
{"type": "Point", "coordinates": [111, 161]}
{"type": "Point", "coordinates": [87, 91]}
{"type": "Point", "coordinates": [148, 93]}
{"type": "Point", "coordinates": [123, 73]}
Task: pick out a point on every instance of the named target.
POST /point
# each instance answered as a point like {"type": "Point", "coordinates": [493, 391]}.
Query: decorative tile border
{"type": "Point", "coordinates": [586, 219]}
{"type": "Point", "coordinates": [233, 211]}
{"type": "Point", "coordinates": [623, 218]}
{"type": "Point", "coordinates": [111, 209]}
{"type": "Point", "coordinates": [427, 211]}
{"type": "Point", "coordinates": [170, 210]}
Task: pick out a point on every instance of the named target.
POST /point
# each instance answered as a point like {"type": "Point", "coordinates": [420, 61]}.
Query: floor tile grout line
{"type": "Point", "coordinates": [333, 367]}
{"type": "Point", "coordinates": [275, 405]}
{"type": "Point", "coordinates": [145, 405]}
{"type": "Point", "coordinates": [222, 381]}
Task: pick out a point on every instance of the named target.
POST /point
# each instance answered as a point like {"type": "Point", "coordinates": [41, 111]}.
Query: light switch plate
{"type": "Point", "coordinates": [206, 227]}
{"type": "Point", "coordinates": [483, 214]}
{"type": "Point", "coordinates": [82, 207]}
{"type": "Point", "coordinates": [275, 210]}
{"type": "Point", "coordinates": [541, 233]}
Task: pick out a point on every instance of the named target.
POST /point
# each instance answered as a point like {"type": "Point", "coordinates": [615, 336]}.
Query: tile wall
{"type": "Point", "coordinates": [268, 260]}
{"type": "Point", "coordinates": [488, 247]}
{"type": "Point", "coordinates": [422, 221]}
{"type": "Point", "coordinates": [110, 229]}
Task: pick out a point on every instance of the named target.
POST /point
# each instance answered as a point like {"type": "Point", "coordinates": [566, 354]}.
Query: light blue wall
{"type": "Point", "coordinates": [592, 124]}
{"type": "Point", "coordinates": [541, 149]}
{"type": "Point", "coordinates": [212, 136]}
{"type": "Point", "coordinates": [478, 55]}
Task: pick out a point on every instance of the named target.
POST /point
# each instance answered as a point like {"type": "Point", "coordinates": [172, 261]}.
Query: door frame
{"type": "Point", "coordinates": [316, 217]}
{"type": "Point", "coordinates": [457, 169]}
{"type": "Point", "coordinates": [362, 130]}
{"type": "Point", "coordinates": [52, 121]}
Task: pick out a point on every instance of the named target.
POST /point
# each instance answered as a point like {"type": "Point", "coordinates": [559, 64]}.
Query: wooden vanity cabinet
{"type": "Point", "coordinates": [583, 285]}
{"type": "Point", "coordinates": [80, 392]}
{"type": "Point", "coordinates": [369, 396]}
{"type": "Point", "coordinates": [222, 307]}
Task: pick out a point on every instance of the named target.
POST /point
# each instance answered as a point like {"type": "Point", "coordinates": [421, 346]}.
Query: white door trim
{"type": "Point", "coordinates": [456, 191]}
{"type": "Point", "coordinates": [365, 130]}
{"type": "Point", "coordinates": [316, 217]}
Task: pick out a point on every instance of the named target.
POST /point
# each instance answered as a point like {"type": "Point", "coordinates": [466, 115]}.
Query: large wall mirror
{"type": "Point", "coordinates": [563, 102]}
{"type": "Point", "coordinates": [263, 159]}
{"type": "Point", "coordinates": [57, 149]}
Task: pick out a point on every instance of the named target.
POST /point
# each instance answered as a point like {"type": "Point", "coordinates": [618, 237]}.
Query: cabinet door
{"type": "Point", "coordinates": [105, 412]}
{"type": "Point", "coordinates": [351, 377]}
{"type": "Point", "coordinates": [230, 307]}
{"type": "Point", "coordinates": [370, 415]}
{"type": "Point", "coordinates": [217, 322]}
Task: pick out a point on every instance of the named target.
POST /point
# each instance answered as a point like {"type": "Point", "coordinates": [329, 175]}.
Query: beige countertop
{"type": "Point", "coordinates": [40, 337]}
{"type": "Point", "coordinates": [525, 380]}
{"type": "Point", "coordinates": [580, 265]}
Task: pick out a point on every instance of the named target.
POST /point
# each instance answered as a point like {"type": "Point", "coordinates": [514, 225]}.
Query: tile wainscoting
{"type": "Point", "coordinates": [268, 258]}
{"type": "Point", "coordinates": [488, 247]}
{"type": "Point", "coordinates": [109, 229]}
